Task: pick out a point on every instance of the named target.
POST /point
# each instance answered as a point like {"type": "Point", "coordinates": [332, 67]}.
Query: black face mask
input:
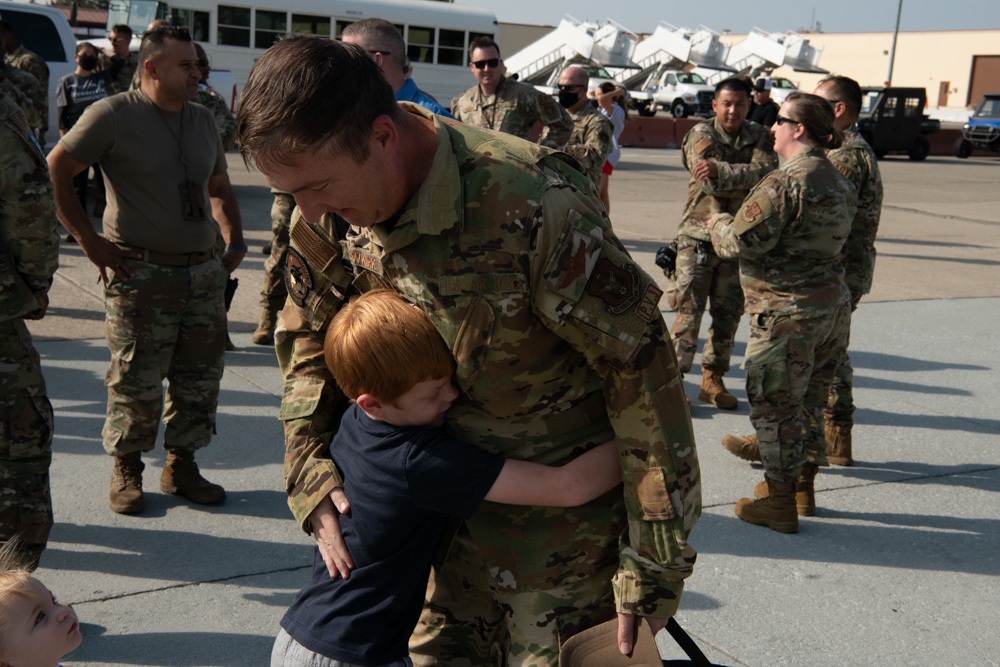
{"type": "Point", "coordinates": [567, 99]}
{"type": "Point", "coordinates": [88, 63]}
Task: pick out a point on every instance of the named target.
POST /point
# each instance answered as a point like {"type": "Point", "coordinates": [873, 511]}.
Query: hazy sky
{"type": "Point", "coordinates": [770, 15]}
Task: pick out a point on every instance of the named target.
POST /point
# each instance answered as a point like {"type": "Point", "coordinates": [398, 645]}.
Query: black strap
{"type": "Point", "coordinates": [684, 640]}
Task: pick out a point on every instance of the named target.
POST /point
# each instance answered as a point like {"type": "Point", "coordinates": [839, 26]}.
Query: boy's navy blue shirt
{"type": "Point", "coordinates": [403, 483]}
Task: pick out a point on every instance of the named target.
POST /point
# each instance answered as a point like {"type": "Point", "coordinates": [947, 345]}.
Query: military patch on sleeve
{"type": "Point", "coordinates": [647, 308]}
{"type": "Point", "coordinates": [751, 211]}
{"type": "Point", "coordinates": [298, 277]}
{"type": "Point", "coordinates": [616, 286]}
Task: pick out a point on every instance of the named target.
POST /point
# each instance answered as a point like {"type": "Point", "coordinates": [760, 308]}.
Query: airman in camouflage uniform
{"type": "Point", "coordinates": [592, 138]}
{"type": "Point", "coordinates": [726, 155]}
{"type": "Point", "coordinates": [32, 63]}
{"type": "Point", "coordinates": [788, 236]}
{"type": "Point", "coordinates": [556, 333]}
{"type": "Point", "coordinates": [499, 103]}
{"type": "Point", "coordinates": [122, 64]}
{"type": "Point", "coordinates": [29, 96]}
{"type": "Point", "coordinates": [856, 160]}
{"type": "Point", "coordinates": [28, 259]}
{"type": "Point", "coordinates": [214, 102]}
{"type": "Point", "coordinates": [274, 294]}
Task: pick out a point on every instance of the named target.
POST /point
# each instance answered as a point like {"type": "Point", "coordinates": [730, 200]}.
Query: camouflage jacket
{"type": "Point", "coordinates": [224, 118]}
{"type": "Point", "coordinates": [30, 96]}
{"type": "Point", "coordinates": [856, 160]}
{"type": "Point", "coordinates": [591, 141]}
{"type": "Point", "coordinates": [124, 73]}
{"type": "Point", "coordinates": [742, 161]}
{"type": "Point", "coordinates": [29, 247]}
{"type": "Point", "coordinates": [556, 332]}
{"type": "Point", "coordinates": [33, 64]}
{"type": "Point", "coordinates": [789, 235]}
{"type": "Point", "coordinates": [514, 108]}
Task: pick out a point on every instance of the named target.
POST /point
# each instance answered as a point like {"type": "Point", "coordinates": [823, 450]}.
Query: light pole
{"type": "Point", "coordinates": [895, 36]}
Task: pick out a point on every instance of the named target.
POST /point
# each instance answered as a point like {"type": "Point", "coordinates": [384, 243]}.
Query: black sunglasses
{"type": "Point", "coordinates": [570, 87]}
{"type": "Point", "coordinates": [492, 62]}
{"type": "Point", "coordinates": [781, 120]}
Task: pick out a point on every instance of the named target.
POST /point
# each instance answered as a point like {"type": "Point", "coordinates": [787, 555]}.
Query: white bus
{"type": "Point", "coordinates": [235, 33]}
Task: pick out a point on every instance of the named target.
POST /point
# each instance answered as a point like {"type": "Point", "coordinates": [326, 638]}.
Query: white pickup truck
{"type": "Point", "coordinates": [682, 93]}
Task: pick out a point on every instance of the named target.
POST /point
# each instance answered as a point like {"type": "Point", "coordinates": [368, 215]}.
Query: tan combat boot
{"type": "Point", "coordinates": [776, 510]}
{"type": "Point", "coordinates": [714, 391]}
{"type": "Point", "coordinates": [744, 446]}
{"type": "Point", "coordinates": [181, 478]}
{"type": "Point", "coordinates": [264, 335]}
{"type": "Point", "coordinates": [805, 494]}
{"type": "Point", "coordinates": [838, 444]}
{"type": "Point", "coordinates": [126, 484]}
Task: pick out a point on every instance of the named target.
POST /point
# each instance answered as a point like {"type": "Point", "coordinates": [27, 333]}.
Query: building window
{"type": "Point", "coordinates": [451, 47]}
{"type": "Point", "coordinates": [311, 25]}
{"type": "Point", "coordinates": [269, 27]}
{"type": "Point", "coordinates": [234, 26]}
{"type": "Point", "coordinates": [420, 44]}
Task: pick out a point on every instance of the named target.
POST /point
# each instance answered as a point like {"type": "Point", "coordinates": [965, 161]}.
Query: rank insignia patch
{"type": "Point", "coordinates": [616, 286]}
{"type": "Point", "coordinates": [298, 278]}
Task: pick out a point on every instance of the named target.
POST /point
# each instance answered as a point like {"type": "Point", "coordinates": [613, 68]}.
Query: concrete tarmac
{"type": "Point", "coordinates": [898, 567]}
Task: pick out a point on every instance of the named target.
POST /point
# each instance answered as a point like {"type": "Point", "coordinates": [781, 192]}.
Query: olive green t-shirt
{"type": "Point", "coordinates": [147, 155]}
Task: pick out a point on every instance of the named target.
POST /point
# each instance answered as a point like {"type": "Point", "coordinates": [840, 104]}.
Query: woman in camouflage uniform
{"type": "Point", "coordinates": [788, 237]}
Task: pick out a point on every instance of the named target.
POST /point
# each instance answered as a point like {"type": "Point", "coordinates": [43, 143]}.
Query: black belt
{"type": "Point", "coordinates": [169, 258]}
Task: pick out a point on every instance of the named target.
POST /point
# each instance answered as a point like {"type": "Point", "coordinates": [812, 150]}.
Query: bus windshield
{"type": "Point", "coordinates": [136, 14]}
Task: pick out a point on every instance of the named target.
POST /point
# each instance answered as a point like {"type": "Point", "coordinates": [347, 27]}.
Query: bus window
{"type": "Point", "coordinates": [269, 27]}
{"type": "Point", "coordinates": [196, 22]}
{"type": "Point", "coordinates": [340, 27]}
{"type": "Point", "coordinates": [311, 25]}
{"type": "Point", "coordinates": [234, 26]}
{"type": "Point", "coordinates": [420, 44]}
{"type": "Point", "coordinates": [451, 47]}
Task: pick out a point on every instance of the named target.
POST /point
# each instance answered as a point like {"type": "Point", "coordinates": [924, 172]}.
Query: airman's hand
{"type": "Point", "coordinates": [326, 529]}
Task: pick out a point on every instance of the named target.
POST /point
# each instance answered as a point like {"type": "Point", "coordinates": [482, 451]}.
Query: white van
{"type": "Point", "coordinates": [45, 31]}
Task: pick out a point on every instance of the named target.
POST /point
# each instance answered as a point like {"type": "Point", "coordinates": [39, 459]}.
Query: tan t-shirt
{"type": "Point", "coordinates": [142, 150]}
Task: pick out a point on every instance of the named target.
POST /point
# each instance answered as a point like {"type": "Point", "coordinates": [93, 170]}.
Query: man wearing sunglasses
{"type": "Point", "coordinates": [726, 156]}
{"type": "Point", "coordinates": [120, 61]}
{"type": "Point", "coordinates": [499, 103]}
{"type": "Point", "coordinates": [591, 140]}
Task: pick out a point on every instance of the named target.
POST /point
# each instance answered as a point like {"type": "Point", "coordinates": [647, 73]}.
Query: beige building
{"type": "Point", "coordinates": [956, 67]}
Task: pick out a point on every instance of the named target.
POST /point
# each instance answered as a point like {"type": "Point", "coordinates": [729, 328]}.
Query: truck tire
{"type": "Point", "coordinates": [646, 110]}
{"type": "Point", "coordinates": [920, 149]}
{"type": "Point", "coordinates": [678, 109]}
{"type": "Point", "coordinates": [963, 148]}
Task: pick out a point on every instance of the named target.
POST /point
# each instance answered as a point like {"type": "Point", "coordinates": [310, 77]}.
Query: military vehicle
{"type": "Point", "coordinates": [982, 132]}
{"type": "Point", "coordinates": [893, 120]}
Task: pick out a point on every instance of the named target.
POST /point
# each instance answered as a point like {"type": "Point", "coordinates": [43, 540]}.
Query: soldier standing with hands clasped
{"type": "Point", "coordinates": [168, 196]}
{"type": "Point", "coordinates": [727, 156]}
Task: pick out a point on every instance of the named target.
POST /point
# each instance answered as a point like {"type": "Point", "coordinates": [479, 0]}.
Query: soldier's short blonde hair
{"type": "Point", "coordinates": [379, 344]}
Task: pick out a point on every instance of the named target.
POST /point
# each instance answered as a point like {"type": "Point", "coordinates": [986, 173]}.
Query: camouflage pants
{"type": "Point", "coordinates": [790, 364]}
{"type": "Point", "coordinates": [25, 442]}
{"type": "Point", "coordinates": [274, 292]}
{"type": "Point", "coordinates": [840, 402]}
{"type": "Point", "coordinates": [510, 592]}
{"type": "Point", "coordinates": [703, 278]}
{"type": "Point", "coordinates": [164, 323]}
